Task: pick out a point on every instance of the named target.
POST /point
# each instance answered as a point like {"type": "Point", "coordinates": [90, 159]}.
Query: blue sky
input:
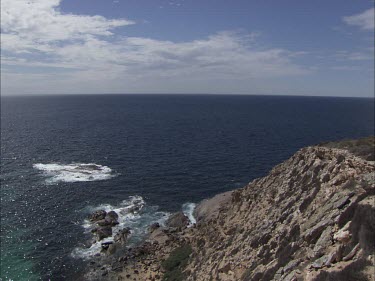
{"type": "Point", "coordinates": [323, 48]}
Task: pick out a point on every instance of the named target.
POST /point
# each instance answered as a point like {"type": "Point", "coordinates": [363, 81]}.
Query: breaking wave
{"type": "Point", "coordinates": [188, 210]}
{"type": "Point", "coordinates": [133, 213]}
{"type": "Point", "coordinates": [76, 172]}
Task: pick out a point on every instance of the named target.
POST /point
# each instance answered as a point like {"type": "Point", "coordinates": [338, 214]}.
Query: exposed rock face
{"type": "Point", "coordinates": [153, 227]}
{"type": "Point", "coordinates": [311, 218]}
{"type": "Point", "coordinates": [105, 221]}
{"type": "Point", "coordinates": [122, 236]}
{"type": "Point", "coordinates": [97, 215]}
{"type": "Point", "coordinates": [178, 220]}
{"type": "Point", "coordinates": [112, 216]}
{"type": "Point", "coordinates": [103, 232]}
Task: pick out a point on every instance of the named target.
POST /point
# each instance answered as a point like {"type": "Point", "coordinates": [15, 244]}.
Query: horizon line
{"type": "Point", "coordinates": [177, 94]}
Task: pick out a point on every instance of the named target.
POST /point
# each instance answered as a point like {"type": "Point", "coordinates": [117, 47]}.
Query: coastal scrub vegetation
{"type": "Point", "coordinates": [364, 147]}
{"type": "Point", "coordinates": [176, 262]}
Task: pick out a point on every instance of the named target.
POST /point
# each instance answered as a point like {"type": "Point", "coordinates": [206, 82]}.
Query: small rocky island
{"type": "Point", "coordinates": [311, 218]}
{"type": "Point", "coordinates": [104, 222]}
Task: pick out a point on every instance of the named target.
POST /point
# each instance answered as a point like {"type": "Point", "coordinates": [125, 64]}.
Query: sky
{"type": "Point", "coordinates": [270, 47]}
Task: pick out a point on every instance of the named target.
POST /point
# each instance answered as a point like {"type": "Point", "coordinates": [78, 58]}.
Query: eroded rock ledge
{"type": "Point", "coordinates": [311, 218]}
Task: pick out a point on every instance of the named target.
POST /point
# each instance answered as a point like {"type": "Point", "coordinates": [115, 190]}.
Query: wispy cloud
{"type": "Point", "coordinates": [362, 55]}
{"type": "Point", "coordinates": [364, 20]}
{"type": "Point", "coordinates": [38, 37]}
{"type": "Point", "coordinates": [225, 52]}
{"type": "Point", "coordinates": [38, 25]}
{"type": "Point", "coordinates": [134, 62]}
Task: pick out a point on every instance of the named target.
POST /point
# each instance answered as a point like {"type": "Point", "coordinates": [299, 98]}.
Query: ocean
{"type": "Point", "coordinates": [62, 157]}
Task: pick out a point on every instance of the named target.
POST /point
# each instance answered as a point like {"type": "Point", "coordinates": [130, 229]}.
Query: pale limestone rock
{"type": "Point", "coordinates": [343, 235]}
{"type": "Point", "coordinates": [277, 227]}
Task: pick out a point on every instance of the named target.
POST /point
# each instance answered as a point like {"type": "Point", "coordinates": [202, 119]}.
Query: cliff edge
{"type": "Point", "coordinates": [311, 218]}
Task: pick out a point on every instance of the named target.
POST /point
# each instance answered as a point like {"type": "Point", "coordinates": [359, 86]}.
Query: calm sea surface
{"type": "Point", "coordinates": [64, 156]}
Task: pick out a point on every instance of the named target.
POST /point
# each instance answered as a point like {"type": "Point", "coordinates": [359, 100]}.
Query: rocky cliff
{"type": "Point", "coordinates": [311, 218]}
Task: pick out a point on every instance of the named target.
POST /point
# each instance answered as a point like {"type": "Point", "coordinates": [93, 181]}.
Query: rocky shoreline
{"type": "Point", "coordinates": [115, 256]}
{"type": "Point", "coordinates": [311, 218]}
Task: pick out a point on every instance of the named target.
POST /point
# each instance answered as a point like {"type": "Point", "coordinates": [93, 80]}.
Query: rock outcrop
{"type": "Point", "coordinates": [105, 221]}
{"type": "Point", "coordinates": [310, 218]}
{"type": "Point", "coordinates": [178, 220]}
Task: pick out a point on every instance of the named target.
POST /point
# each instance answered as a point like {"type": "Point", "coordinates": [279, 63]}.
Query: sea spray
{"type": "Point", "coordinates": [75, 172]}
{"type": "Point", "coordinates": [133, 213]}
{"type": "Point", "coordinates": [188, 210]}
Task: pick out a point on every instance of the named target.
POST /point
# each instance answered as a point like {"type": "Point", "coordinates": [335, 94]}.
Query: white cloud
{"type": "Point", "coordinates": [36, 36]}
{"type": "Point", "coordinates": [364, 20]}
{"type": "Point", "coordinates": [29, 25]}
{"type": "Point", "coordinates": [366, 54]}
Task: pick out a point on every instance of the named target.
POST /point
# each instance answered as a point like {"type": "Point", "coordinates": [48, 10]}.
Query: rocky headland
{"type": "Point", "coordinates": [311, 218]}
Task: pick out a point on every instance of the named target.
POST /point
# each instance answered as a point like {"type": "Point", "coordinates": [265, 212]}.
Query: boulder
{"type": "Point", "coordinates": [112, 215]}
{"type": "Point", "coordinates": [321, 262]}
{"type": "Point", "coordinates": [110, 219]}
{"type": "Point", "coordinates": [292, 276]}
{"type": "Point", "coordinates": [313, 233]}
{"type": "Point", "coordinates": [121, 237]}
{"type": "Point", "coordinates": [103, 232]}
{"type": "Point", "coordinates": [97, 215]}
{"type": "Point", "coordinates": [111, 249]}
{"type": "Point", "coordinates": [178, 220]}
{"type": "Point", "coordinates": [352, 253]}
{"type": "Point", "coordinates": [324, 241]}
{"type": "Point", "coordinates": [103, 218]}
{"type": "Point", "coordinates": [153, 227]}
{"type": "Point", "coordinates": [159, 236]}
{"type": "Point", "coordinates": [291, 265]}
{"type": "Point", "coordinates": [343, 235]}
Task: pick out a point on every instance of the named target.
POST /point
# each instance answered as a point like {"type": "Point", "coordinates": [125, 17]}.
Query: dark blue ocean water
{"type": "Point", "coordinates": [168, 149]}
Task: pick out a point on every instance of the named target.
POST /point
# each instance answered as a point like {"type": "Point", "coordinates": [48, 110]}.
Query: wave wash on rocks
{"type": "Point", "coordinates": [311, 218]}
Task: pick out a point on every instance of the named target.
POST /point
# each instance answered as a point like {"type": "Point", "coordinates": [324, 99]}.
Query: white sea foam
{"type": "Point", "coordinates": [76, 172]}
{"type": "Point", "coordinates": [188, 210]}
{"type": "Point", "coordinates": [133, 213]}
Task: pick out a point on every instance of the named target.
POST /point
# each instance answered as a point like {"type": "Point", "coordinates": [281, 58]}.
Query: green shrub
{"type": "Point", "coordinates": [175, 263]}
{"type": "Point", "coordinates": [364, 148]}
{"type": "Point", "coordinates": [174, 275]}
